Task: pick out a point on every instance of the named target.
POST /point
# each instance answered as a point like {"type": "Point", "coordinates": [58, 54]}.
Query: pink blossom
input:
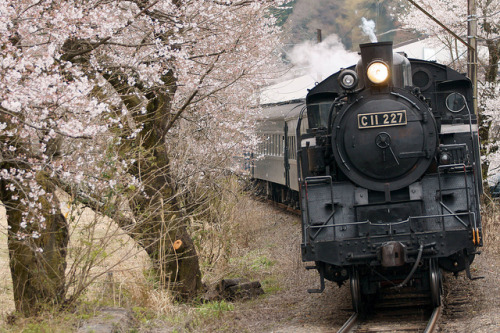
{"type": "Point", "coordinates": [71, 122]}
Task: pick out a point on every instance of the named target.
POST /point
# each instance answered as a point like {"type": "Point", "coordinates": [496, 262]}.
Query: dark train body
{"type": "Point", "coordinates": [388, 172]}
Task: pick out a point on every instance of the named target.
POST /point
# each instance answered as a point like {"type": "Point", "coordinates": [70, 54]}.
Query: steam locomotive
{"type": "Point", "coordinates": [387, 166]}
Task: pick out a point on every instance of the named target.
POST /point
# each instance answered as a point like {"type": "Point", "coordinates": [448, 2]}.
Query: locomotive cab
{"type": "Point", "coordinates": [383, 186]}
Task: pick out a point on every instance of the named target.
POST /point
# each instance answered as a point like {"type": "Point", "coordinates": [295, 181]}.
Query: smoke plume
{"type": "Point", "coordinates": [368, 27]}
{"type": "Point", "coordinates": [321, 59]}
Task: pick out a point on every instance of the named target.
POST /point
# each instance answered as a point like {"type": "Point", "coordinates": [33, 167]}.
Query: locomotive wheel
{"type": "Point", "coordinates": [435, 282]}
{"type": "Point", "coordinates": [355, 291]}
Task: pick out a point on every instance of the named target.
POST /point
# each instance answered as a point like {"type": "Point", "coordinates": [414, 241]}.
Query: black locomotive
{"type": "Point", "coordinates": [383, 158]}
{"type": "Point", "coordinates": [389, 175]}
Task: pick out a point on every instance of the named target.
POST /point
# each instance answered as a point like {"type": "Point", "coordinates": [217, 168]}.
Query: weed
{"type": "Point", "coordinates": [271, 285]}
{"type": "Point", "coordinates": [261, 263]}
{"type": "Point", "coordinates": [45, 322]}
{"type": "Point", "coordinates": [215, 309]}
{"type": "Point", "coordinates": [142, 314]}
{"type": "Point", "coordinates": [36, 328]}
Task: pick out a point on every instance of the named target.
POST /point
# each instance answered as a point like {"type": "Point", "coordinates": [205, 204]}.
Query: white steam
{"type": "Point", "coordinates": [311, 63]}
{"type": "Point", "coordinates": [368, 27]}
{"type": "Point", "coordinates": [321, 59]}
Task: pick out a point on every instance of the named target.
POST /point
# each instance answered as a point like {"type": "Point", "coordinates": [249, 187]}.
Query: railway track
{"type": "Point", "coordinates": [397, 317]}
{"type": "Point", "coordinates": [283, 207]}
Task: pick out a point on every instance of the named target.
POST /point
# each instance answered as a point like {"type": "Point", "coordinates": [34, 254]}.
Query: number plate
{"type": "Point", "coordinates": [381, 119]}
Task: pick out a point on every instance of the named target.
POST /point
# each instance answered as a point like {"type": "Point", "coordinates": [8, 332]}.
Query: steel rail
{"type": "Point", "coordinates": [431, 326]}
{"type": "Point", "coordinates": [349, 324]}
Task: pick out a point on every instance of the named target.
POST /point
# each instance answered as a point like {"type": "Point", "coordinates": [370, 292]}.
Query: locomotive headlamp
{"type": "Point", "coordinates": [377, 72]}
{"type": "Point", "coordinates": [348, 79]}
{"type": "Point", "coordinates": [445, 158]}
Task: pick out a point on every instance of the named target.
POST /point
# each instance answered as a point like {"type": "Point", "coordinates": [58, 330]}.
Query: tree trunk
{"type": "Point", "coordinates": [494, 58]}
{"type": "Point", "coordinates": [162, 230]}
{"type": "Point", "coordinates": [159, 220]}
{"type": "Point", "coordinates": [37, 265]}
{"type": "Point", "coordinates": [174, 258]}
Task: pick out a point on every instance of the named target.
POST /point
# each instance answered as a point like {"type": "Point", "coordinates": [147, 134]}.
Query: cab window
{"type": "Point", "coordinates": [318, 115]}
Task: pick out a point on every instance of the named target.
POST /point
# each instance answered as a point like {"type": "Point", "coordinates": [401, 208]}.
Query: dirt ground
{"type": "Point", "coordinates": [470, 306]}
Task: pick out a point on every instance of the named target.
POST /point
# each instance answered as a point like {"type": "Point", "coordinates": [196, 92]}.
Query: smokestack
{"type": "Point", "coordinates": [376, 52]}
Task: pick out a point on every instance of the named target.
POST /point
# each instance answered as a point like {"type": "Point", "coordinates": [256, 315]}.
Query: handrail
{"type": "Point", "coordinates": [390, 225]}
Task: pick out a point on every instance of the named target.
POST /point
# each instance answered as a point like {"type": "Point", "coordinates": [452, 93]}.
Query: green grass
{"type": "Point", "coordinates": [262, 263]}
{"type": "Point", "coordinates": [251, 265]}
{"type": "Point", "coordinates": [142, 314]}
{"type": "Point", "coordinates": [215, 309]}
{"type": "Point", "coordinates": [45, 323]}
{"type": "Point", "coordinates": [271, 285]}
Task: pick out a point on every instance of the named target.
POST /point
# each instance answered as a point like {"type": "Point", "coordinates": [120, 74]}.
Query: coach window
{"type": "Point", "coordinates": [292, 147]}
{"type": "Point", "coordinates": [268, 145]}
{"type": "Point", "coordinates": [277, 145]}
{"type": "Point", "coordinates": [282, 137]}
{"type": "Point", "coordinates": [280, 144]}
{"type": "Point", "coordinates": [273, 145]}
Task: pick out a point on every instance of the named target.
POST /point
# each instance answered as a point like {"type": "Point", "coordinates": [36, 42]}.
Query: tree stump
{"type": "Point", "coordinates": [234, 289]}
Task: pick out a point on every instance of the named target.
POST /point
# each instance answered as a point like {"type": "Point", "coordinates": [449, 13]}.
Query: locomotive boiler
{"type": "Point", "coordinates": [389, 175]}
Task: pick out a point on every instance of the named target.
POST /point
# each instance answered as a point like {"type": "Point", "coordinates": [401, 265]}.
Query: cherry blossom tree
{"type": "Point", "coordinates": [453, 14]}
{"type": "Point", "coordinates": [126, 105]}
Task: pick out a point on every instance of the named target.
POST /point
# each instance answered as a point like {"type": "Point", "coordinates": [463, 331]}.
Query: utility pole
{"type": "Point", "coordinates": [472, 49]}
{"type": "Point", "coordinates": [319, 39]}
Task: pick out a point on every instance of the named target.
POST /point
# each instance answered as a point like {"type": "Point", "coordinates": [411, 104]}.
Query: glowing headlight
{"type": "Point", "coordinates": [348, 79]}
{"type": "Point", "coordinates": [377, 72]}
